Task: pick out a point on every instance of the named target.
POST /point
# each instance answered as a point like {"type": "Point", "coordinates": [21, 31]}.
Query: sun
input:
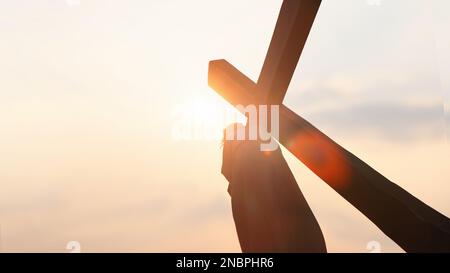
{"type": "Point", "coordinates": [203, 118]}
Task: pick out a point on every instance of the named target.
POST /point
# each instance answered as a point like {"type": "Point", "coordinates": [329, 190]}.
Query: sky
{"type": "Point", "coordinates": [94, 95]}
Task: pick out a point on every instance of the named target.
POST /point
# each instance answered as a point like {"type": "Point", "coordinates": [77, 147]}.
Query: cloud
{"type": "Point", "coordinates": [392, 121]}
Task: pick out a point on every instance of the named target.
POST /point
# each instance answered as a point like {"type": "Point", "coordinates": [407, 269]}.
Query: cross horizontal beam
{"type": "Point", "coordinates": [412, 224]}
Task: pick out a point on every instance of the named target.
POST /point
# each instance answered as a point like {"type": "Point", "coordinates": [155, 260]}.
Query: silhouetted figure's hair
{"type": "Point", "coordinates": [269, 210]}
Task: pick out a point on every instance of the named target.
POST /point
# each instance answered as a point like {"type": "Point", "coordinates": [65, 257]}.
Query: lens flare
{"type": "Point", "coordinates": [325, 158]}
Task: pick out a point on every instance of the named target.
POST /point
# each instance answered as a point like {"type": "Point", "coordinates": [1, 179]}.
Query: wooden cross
{"type": "Point", "coordinates": [412, 224]}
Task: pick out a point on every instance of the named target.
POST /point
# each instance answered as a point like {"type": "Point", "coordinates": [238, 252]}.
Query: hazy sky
{"type": "Point", "coordinates": [91, 93]}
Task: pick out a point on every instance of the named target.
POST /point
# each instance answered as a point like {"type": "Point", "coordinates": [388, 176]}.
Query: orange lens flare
{"type": "Point", "coordinates": [323, 157]}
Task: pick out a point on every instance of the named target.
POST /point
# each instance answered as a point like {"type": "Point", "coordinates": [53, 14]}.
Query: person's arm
{"type": "Point", "coordinates": [269, 210]}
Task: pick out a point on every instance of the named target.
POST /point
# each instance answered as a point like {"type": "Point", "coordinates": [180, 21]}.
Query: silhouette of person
{"type": "Point", "coordinates": [272, 215]}
{"type": "Point", "coordinates": [269, 210]}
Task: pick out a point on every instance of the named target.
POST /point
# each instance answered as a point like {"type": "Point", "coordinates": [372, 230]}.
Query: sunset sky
{"type": "Point", "coordinates": [93, 94]}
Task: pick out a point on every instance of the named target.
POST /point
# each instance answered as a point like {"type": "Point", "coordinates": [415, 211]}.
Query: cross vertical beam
{"type": "Point", "coordinates": [291, 32]}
